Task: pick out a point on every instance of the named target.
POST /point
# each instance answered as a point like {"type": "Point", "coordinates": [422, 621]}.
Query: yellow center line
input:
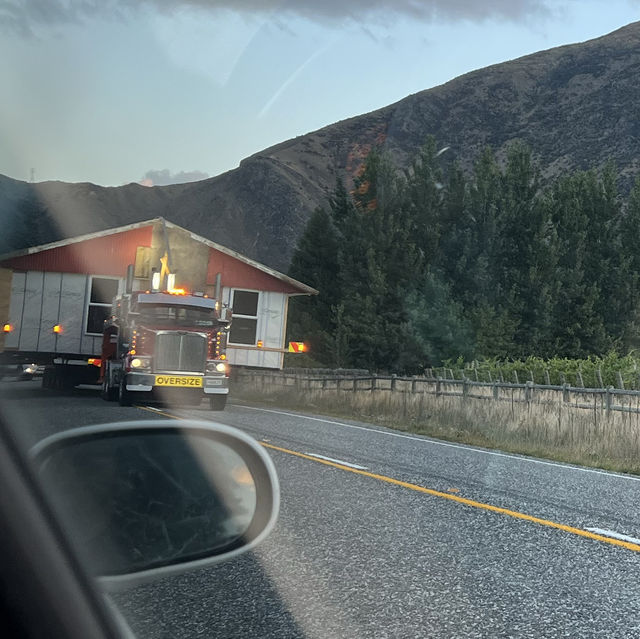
{"type": "Point", "coordinates": [451, 497]}
{"type": "Point", "coordinates": [463, 500]}
{"type": "Point", "coordinates": [156, 411]}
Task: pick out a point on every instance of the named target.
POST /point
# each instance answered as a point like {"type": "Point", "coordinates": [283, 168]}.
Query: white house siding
{"type": "Point", "coordinates": [16, 306]}
{"type": "Point", "coordinates": [41, 300]}
{"type": "Point", "coordinates": [50, 307]}
{"type": "Point", "coordinates": [270, 329]}
{"type": "Point", "coordinates": [73, 308]}
{"type": "Point", "coordinates": [31, 311]}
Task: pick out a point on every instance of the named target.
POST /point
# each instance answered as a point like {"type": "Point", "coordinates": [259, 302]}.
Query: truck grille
{"type": "Point", "coordinates": [185, 352]}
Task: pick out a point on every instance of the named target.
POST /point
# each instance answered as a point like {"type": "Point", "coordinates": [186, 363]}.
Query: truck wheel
{"type": "Point", "coordinates": [55, 380]}
{"type": "Point", "coordinates": [217, 402]}
{"type": "Point", "coordinates": [124, 396]}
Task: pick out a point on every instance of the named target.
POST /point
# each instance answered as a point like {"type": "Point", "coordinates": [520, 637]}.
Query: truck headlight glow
{"type": "Point", "coordinates": [140, 362]}
{"type": "Point", "coordinates": [214, 366]}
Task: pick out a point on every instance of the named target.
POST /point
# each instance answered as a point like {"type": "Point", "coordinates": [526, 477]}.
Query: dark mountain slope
{"type": "Point", "coordinates": [576, 106]}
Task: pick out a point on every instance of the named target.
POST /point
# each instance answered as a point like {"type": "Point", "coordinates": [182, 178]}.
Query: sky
{"type": "Point", "coordinates": [168, 91]}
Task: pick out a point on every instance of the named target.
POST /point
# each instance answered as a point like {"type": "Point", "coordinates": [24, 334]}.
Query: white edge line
{"type": "Point", "coordinates": [614, 534]}
{"type": "Point", "coordinates": [337, 461]}
{"type": "Point", "coordinates": [433, 442]}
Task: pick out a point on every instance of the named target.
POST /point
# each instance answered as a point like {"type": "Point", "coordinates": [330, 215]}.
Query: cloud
{"type": "Point", "coordinates": [21, 15]}
{"type": "Point", "coordinates": [163, 177]}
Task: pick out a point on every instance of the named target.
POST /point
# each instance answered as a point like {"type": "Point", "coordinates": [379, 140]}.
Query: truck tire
{"type": "Point", "coordinates": [46, 378]}
{"type": "Point", "coordinates": [124, 396]}
{"type": "Point", "coordinates": [217, 402]}
{"type": "Point", "coordinates": [55, 379]}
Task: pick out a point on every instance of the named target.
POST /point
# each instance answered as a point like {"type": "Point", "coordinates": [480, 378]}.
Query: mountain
{"type": "Point", "coordinates": [576, 106]}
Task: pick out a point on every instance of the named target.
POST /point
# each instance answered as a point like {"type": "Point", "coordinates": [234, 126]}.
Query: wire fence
{"type": "Point", "coordinates": [604, 400]}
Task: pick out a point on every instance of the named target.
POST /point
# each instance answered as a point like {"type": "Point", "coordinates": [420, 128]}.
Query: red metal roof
{"type": "Point", "coordinates": [110, 252]}
{"type": "Point", "coordinates": [107, 255]}
{"type": "Point", "coordinates": [237, 274]}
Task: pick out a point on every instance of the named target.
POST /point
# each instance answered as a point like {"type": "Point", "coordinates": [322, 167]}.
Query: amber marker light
{"type": "Point", "coordinates": [7, 328]}
{"type": "Point", "coordinates": [57, 329]}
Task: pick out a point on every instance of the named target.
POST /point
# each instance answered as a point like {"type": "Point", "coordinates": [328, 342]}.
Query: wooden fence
{"type": "Point", "coordinates": [601, 399]}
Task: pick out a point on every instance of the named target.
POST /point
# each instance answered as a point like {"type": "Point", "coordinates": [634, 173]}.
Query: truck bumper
{"type": "Point", "coordinates": [145, 382]}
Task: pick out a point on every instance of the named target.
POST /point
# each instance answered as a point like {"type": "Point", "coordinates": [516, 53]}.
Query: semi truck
{"type": "Point", "coordinates": [165, 345]}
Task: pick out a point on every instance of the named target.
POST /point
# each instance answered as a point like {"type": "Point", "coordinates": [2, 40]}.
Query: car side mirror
{"type": "Point", "coordinates": [139, 500]}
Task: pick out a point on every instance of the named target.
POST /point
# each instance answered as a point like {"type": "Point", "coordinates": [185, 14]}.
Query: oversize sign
{"type": "Point", "coordinates": [175, 380]}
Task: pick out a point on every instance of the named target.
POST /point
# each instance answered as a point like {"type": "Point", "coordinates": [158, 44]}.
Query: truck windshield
{"type": "Point", "coordinates": [174, 315]}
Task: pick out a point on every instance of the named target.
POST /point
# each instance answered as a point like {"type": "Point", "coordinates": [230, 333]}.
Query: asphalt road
{"type": "Point", "coordinates": [399, 536]}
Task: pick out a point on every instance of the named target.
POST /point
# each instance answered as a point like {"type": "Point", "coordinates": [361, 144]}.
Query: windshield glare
{"type": "Point", "coordinates": [394, 241]}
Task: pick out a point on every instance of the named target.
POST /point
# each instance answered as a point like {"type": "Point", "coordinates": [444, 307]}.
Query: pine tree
{"type": "Point", "coordinates": [629, 230]}
{"type": "Point", "coordinates": [439, 329]}
{"type": "Point", "coordinates": [578, 329]}
{"type": "Point", "coordinates": [378, 263]}
{"type": "Point", "coordinates": [315, 262]}
{"type": "Point", "coordinates": [523, 259]}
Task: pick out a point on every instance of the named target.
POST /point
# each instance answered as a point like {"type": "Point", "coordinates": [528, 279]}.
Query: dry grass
{"type": "Point", "coordinates": [547, 428]}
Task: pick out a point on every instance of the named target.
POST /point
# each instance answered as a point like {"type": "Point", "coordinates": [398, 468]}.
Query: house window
{"type": "Point", "coordinates": [103, 290]}
{"type": "Point", "coordinates": [245, 317]}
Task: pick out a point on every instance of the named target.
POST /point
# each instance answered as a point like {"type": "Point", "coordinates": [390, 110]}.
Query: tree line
{"type": "Point", "coordinates": [426, 264]}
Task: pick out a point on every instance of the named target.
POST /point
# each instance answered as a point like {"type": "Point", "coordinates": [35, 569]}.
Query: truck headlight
{"type": "Point", "coordinates": [216, 367]}
{"type": "Point", "coordinates": [140, 363]}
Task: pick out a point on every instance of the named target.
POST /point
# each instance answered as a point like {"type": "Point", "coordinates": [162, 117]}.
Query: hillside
{"type": "Point", "coordinates": [575, 106]}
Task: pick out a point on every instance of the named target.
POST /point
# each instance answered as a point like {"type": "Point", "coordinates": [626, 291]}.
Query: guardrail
{"type": "Point", "coordinates": [599, 399]}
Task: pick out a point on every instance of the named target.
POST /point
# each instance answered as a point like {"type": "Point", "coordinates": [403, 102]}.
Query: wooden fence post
{"type": "Point", "coordinates": [528, 391]}
{"type": "Point", "coordinates": [465, 388]}
{"type": "Point", "coordinates": [608, 397]}
{"type": "Point", "coordinates": [374, 382]}
{"type": "Point", "coordinates": [413, 385]}
{"type": "Point", "coordinates": [393, 383]}
{"type": "Point", "coordinates": [438, 387]}
{"type": "Point", "coordinates": [565, 393]}
{"type": "Point", "coordinates": [496, 391]}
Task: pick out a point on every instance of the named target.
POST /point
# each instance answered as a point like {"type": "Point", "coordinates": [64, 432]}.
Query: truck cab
{"type": "Point", "coordinates": [166, 346]}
